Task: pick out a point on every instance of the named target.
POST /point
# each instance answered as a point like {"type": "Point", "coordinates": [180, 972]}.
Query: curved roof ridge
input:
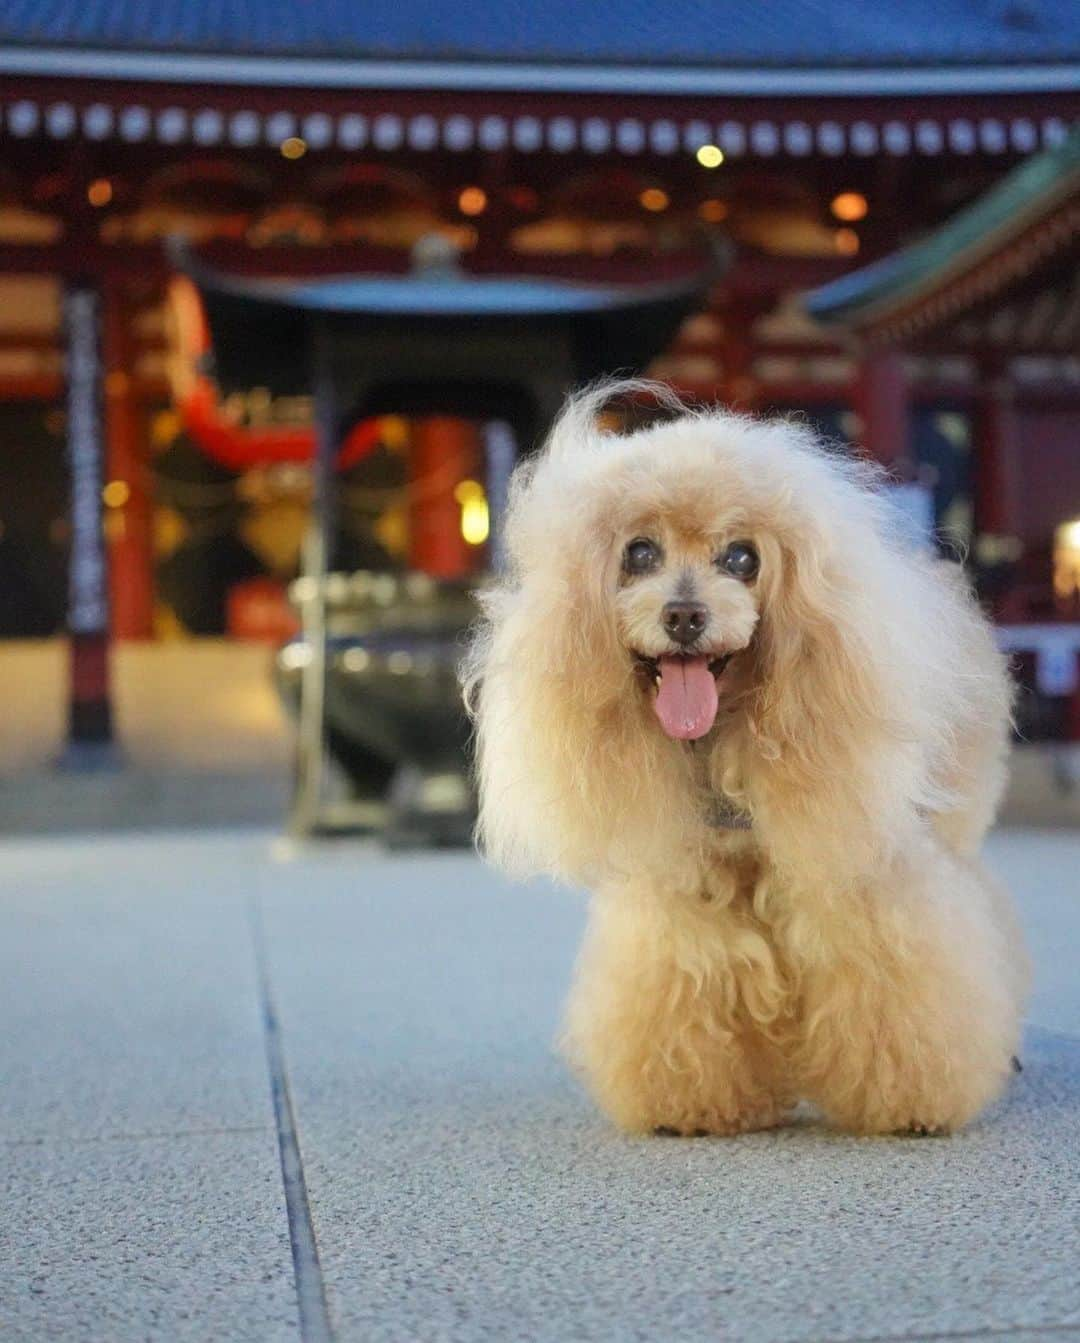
{"type": "Point", "coordinates": [1030, 192]}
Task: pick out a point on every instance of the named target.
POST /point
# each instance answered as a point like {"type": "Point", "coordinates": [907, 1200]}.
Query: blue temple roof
{"type": "Point", "coordinates": [447, 292]}
{"type": "Point", "coordinates": [659, 34]}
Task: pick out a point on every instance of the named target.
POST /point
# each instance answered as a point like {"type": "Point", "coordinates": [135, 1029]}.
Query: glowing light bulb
{"type": "Point", "coordinates": [472, 201]}
{"type": "Point", "coordinates": [846, 241]}
{"type": "Point", "coordinates": [850, 206]}
{"type": "Point", "coordinates": [654, 200]}
{"type": "Point", "coordinates": [475, 516]}
{"type": "Point", "coordinates": [713, 211]}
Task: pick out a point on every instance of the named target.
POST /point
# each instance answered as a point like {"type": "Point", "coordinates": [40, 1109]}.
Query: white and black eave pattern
{"type": "Point", "coordinates": [458, 132]}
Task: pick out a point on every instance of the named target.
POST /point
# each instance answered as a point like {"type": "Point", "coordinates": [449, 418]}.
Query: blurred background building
{"type": "Point", "coordinates": [157, 517]}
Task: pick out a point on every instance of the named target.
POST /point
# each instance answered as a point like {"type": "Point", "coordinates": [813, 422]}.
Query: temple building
{"type": "Point", "coordinates": [604, 145]}
{"type": "Point", "coordinates": [996, 290]}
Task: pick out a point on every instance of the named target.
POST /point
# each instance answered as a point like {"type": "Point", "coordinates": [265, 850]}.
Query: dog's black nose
{"type": "Point", "coordinates": [684, 621]}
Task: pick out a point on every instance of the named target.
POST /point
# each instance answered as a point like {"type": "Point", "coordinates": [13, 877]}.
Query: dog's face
{"type": "Point", "coordinates": [688, 602]}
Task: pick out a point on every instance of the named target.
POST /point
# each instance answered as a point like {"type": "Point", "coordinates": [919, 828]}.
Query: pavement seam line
{"type": "Point", "coordinates": [157, 1135]}
{"type": "Point", "coordinates": [1005, 1331]}
{"type": "Point", "coordinates": [315, 1326]}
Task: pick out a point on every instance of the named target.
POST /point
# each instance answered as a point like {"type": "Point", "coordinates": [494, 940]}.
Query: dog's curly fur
{"type": "Point", "coordinates": [849, 949]}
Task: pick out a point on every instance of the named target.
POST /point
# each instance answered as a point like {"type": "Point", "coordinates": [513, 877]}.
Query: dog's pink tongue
{"type": "Point", "coordinates": [686, 700]}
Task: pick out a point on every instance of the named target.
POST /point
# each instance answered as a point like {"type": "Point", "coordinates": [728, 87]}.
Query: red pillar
{"type": "Point", "coordinates": [129, 516]}
{"type": "Point", "coordinates": [740, 387]}
{"type": "Point", "coordinates": [881, 402]}
{"type": "Point", "coordinates": [997, 546]}
{"type": "Point", "coordinates": [444, 451]}
{"type": "Point", "coordinates": [1072, 716]}
{"type": "Point", "coordinates": [995, 448]}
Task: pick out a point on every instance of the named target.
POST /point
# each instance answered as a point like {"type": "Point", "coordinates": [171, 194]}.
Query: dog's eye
{"type": "Point", "coordinates": [740, 560]}
{"type": "Point", "coordinates": [642, 556]}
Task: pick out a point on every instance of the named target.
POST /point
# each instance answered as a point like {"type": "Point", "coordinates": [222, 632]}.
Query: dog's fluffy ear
{"type": "Point", "coordinates": [568, 772]}
{"type": "Point", "coordinates": [528, 708]}
{"type": "Point", "coordinates": [853, 685]}
{"type": "Point", "coordinates": [570, 779]}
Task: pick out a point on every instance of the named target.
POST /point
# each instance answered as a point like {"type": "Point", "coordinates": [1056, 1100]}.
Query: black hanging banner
{"type": "Point", "coordinates": [88, 577]}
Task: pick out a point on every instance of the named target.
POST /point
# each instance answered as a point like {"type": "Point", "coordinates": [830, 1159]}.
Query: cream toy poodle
{"type": "Point", "coordinates": [715, 687]}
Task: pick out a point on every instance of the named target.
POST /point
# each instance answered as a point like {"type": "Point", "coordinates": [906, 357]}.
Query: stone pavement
{"type": "Point", "coordinates": [252, 1095]}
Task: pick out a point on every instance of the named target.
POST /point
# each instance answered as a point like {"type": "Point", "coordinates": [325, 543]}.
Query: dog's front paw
{"type": "Point", "coordinates": [712, 1125]}
{"type": "Point", "coordinates": [919, 1130]}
